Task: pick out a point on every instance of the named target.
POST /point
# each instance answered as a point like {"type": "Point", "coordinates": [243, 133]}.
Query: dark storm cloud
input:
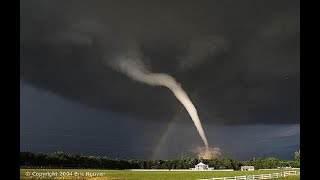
{"type": "Point", "coordinates": [238, 60]}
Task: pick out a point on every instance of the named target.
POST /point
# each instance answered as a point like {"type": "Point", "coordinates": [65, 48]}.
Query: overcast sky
{"type": "Point", "coordinates": [239, 61]}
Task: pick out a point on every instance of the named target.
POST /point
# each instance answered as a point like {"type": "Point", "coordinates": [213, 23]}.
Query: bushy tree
{"type": "Point", "coordinates": [271, 163]}
{"type": "Point", "coordinates": [297, 155]}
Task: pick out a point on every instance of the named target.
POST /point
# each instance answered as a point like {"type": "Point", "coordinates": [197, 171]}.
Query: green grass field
{"type": "Point", "coordinates": [84, 174]}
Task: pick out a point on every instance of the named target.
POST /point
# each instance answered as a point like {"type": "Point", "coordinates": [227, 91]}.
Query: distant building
{"type": "Point", "coordinates": [202, 166]}
{"type": "Point", "coordinates": [247, 168]}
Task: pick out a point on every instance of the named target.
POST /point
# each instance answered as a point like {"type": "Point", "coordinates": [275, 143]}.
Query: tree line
{"type": "Point", "coordinates": [61, 160]}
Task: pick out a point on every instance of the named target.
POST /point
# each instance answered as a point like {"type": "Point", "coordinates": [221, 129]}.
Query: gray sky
{"type": "Point", "coordinates": [239, 61]}
{"type": "Point", "coordinates": [50, 123]}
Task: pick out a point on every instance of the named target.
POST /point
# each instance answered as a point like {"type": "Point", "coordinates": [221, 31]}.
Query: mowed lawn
{"type": "Point", "coordinates": [84, 174]}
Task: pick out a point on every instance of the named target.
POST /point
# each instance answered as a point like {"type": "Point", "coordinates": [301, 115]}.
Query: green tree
{"type": "Point", "coordinates": [271, 163]}
{"type": "Point", "coordinates": [258, 163]}
{"type": "Point", "coordinates": [226, 164]}
{"type": "Point", "coordinates": [297, 155]}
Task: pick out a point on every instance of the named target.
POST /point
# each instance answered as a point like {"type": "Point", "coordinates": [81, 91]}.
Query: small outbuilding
{"type": "Point", "coordinates": [247, 168]}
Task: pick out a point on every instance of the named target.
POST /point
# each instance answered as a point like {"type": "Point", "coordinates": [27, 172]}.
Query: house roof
{"type": "Point", "coordinates": [200, 164]}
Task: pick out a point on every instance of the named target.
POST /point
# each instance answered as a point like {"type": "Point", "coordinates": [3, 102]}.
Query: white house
{"type": "Point", "coordinates": [247, 168]}
{"type": "Point", "coordinates": [202, 166]}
